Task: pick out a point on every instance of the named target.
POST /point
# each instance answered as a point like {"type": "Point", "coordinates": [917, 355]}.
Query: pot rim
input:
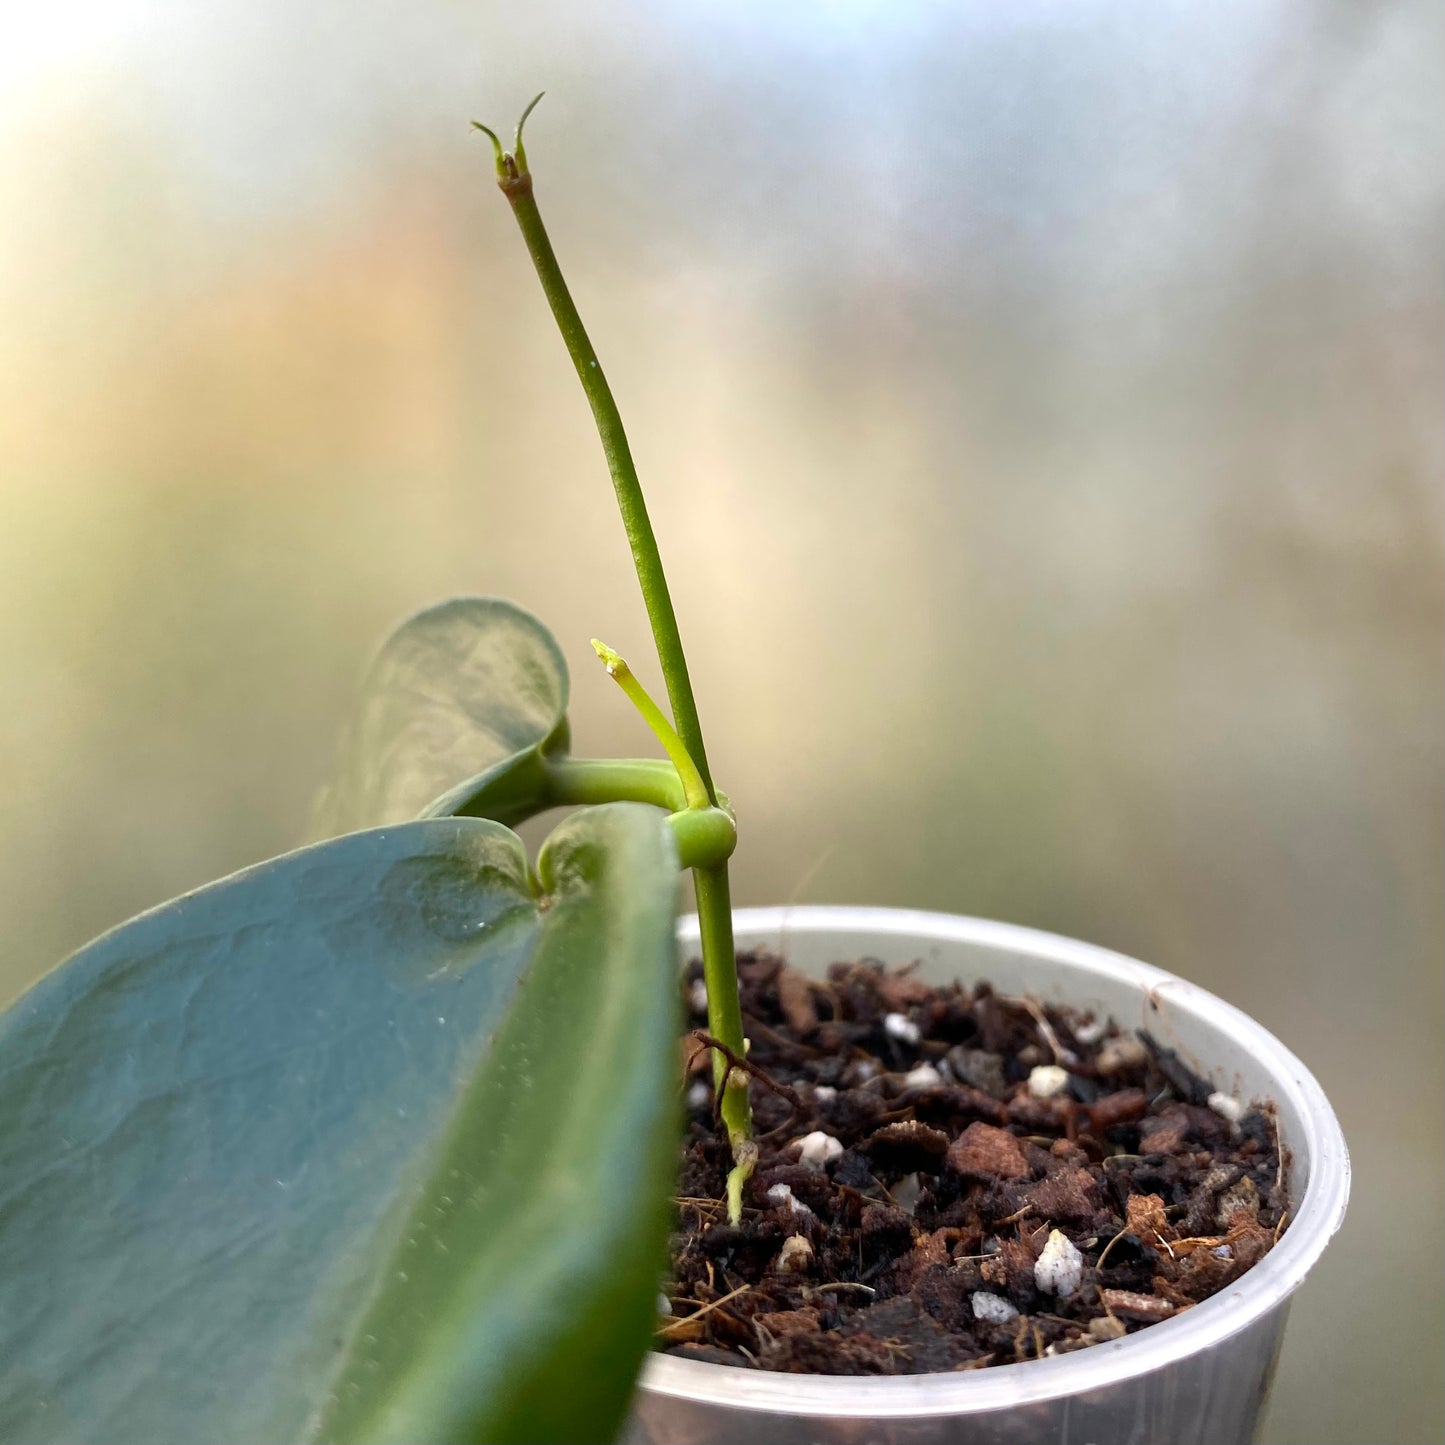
{"type": "Point", "coordinates": [1263, 1289]}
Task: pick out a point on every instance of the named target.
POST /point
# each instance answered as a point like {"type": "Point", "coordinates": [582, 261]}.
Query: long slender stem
{"type": "Point", "coordinates": [645, 556]}
{"type": "Point", "coordinates": [714, 905]}
{"type": "Point", "coordinates": [724, 1010]}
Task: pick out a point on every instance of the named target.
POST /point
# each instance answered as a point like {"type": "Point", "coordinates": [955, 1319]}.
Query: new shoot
{"type": "Point", "coordinates": [681, 736]}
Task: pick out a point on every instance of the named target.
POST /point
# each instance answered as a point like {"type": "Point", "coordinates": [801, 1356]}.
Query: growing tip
{"type": "Point", "coordinates": [518, 149]}
{"type": "Point", "coordinates": [512, 172]}
{"type": "Point", "coordinates": [612, 661]}
{"type": "Point", "coordinates": [497, 151]}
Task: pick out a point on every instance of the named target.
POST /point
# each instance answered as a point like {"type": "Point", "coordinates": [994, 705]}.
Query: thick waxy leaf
{"type": "Point", "coordinates": [474, 688]}
{"type": "Point", "coordinates": [525, 1289]}
{"type": "Point", "coordinates": [510, 792]}
{"type": "Point", "coordinates": [231, 1130]}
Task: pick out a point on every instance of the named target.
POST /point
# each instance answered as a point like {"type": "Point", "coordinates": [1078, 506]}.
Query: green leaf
{"type": "Point", "coordinates": [471, 689]}
{"type": "Point", "coordinates": [246, 1141]}
{"type": "Point", "coordinates": [526, 1287]}
{"type": "Point", "coordinates": [510, 792]}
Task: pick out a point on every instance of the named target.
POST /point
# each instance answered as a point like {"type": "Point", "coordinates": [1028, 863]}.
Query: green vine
{"type": "Point", "coordinates": [702, 840]}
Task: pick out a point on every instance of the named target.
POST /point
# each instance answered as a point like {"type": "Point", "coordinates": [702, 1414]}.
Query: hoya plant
{"type": "Point", "coordinates": [376, 1140]}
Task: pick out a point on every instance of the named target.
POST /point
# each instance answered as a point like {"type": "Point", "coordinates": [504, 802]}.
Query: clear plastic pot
{"type": "Point", "coordinates": [1201, 1378]}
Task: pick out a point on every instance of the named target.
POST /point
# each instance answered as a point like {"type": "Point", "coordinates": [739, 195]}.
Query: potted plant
{"type": "Point", "coordinates": [377, 1140]}
{"type": "Point", "coordinates": [1202, 1376]}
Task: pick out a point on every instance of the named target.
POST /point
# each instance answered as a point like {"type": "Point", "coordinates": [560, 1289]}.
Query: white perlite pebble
{"type": "Point", "coordinates": [796, 1253]}
{"type": "Point", "coordinates": [780, 1196]}
{"type": "Point", "coordinates": [1090, 1034]}
{"type": "Point", "coordinates": [697, 996]}
{"type": "Point", "coordinates": [824, 1094]}
{"type": "Point", "coordinates": [664, 1305]}
{"type": "Point", "coordinates": [1226, 1106]}
{"type": "Point", "coordinates": [698, 1095]}
{"type": "Point", "coordinates": [900, 1026]}
{"type": "Point", "coordinates": [992, 1307]}
{"type": "Point", "coordinates": [817, 1150]}
{"type": "Point", "coordinates": [1059, 1270]}
{"type": "Point", "coordinates": [1048, 1080]}
{"type": "Point", "coordinates": [925, 1076]}
{"type": "Point", "coordinates": [906, 1194]}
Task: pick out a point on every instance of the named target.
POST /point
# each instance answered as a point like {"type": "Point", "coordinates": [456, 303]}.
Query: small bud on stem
{"type": "Point", "coordinates": [512, 173]}
{"type": "Point", "coordinates": [618, 670]}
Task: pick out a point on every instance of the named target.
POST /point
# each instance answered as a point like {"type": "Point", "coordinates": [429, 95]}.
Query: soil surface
{"type": "Point", "coordinates": [949, 1179]}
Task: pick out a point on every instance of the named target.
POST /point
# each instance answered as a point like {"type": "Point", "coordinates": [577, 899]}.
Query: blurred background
{"type": "Point", "coordinates": [1041, 410]}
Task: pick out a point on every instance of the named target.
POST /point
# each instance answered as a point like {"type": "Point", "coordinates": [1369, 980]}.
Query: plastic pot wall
{"type": "Point", "coordinates": [1201, 1378]}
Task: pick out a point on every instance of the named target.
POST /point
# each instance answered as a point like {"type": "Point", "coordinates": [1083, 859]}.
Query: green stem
{"type": "Point", "coordinates": [516, 185]}
{"type": "Point", "coordinates": [585, 781]}
{"type": "Point", "coordinates": [705, 836]}
{"type": "Point", "coordinates": [711, 882]}
{"type": "Point", "coordinates": [724, 1011]}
